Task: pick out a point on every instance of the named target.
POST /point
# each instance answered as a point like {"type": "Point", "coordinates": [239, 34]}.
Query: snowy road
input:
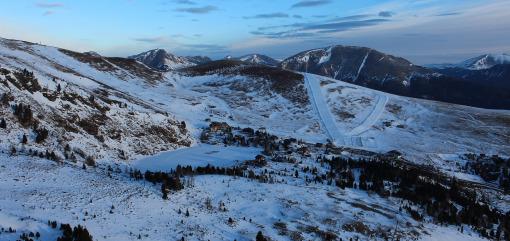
{"type": "Point", "coordinates": [352, 138]}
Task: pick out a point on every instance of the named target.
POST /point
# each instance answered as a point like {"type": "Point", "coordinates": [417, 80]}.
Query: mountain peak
{"type": "Point", "coordinates": [360, 65]}
{"type": "Point", "coordinates": [259, 59]}
{"type": "Point", "coordinates": [485, 61]}
{"type": "Point", "coordinates": [162, 60]}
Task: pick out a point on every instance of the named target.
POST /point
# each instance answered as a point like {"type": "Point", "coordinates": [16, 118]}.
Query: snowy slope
{"type": "Point", "coordinates": [115, 207]}
{"type": "Point", "coordinates": [78, 105]}
{"type": "Point", "coordinates": [376, 120]}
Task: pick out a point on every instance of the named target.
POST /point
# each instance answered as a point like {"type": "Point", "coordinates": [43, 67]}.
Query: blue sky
{"type": "Point", "coordinates": [424, 31]}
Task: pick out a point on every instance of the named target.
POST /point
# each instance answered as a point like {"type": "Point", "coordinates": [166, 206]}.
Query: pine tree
{"type": "Point", "coordinates": [164, 190]}
{"type": "Point", "coordinates": [3, 125]}
{"type": "Point", "coordinates": [260, 237]}
{"type": "Point", "coordinates": [24, 140]}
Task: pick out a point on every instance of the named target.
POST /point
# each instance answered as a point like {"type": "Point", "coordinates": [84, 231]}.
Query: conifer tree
{"type": "Point", "coordinates": [164, 190]}
{"type": "Point", "coordinates": [24, 140]}
{"type": "Point", "coordinates": [3, 125]}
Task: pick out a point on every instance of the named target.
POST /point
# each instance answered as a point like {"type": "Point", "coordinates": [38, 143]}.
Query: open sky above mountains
{"type": "Point", "coordinates": [424, 31]}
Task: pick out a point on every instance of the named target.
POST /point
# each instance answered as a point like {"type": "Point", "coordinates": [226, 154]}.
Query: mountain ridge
{"type": "Point", "coordinates": [162, 60]}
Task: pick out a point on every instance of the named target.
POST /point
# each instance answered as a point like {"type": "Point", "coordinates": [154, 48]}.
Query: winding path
{"type": "Point", "coordinates": [328, 122]}
{"type": "Point", "coordinates": [372, 118]}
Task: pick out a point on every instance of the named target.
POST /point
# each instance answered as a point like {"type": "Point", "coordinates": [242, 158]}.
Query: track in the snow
{"type": "Point", "coordinates": [328, 122]}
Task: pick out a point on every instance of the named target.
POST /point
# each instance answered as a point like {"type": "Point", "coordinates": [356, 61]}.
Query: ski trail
{"type": "Point", "coordinates": [321, 107]}
{"type": "Point", "coordinates": [372, 118]}
{"type": "Point", "coordinates": [328, 122]}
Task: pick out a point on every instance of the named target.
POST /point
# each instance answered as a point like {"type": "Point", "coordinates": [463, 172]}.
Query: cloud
{"type": "Point", "coordinates": [297, 16]}
{"type": "Point", "coordinates": [320, 16]}
{"type": "Point", "coordinates": [447, 14]}
{"type": "Point", "coordinates": [317, 28]}
{"type": "Point", "coordinates": [153, 40]}
{"type": "Point", "coordinates": [186, 2]}
{"type": "Point", "coordinates": [310, 3]}
{"type": "Point", "coordinates": [347, 25]}
{"type": "Point", "coordinates": [386, 14]}
{"type": "Point", "coordinates": [49, 5]}
{"type": "Point", "coordinates": [49, 12]}
{"type": "Point", "coordinates": [210, 48]}
{"type": "Point", "coordinates": [198, 10]}
{"type": "Point", "coordinates": [268, 15]}
{"type": "Point", "coordinates": [352, 17]}
{"type": "Point", "coordinates": [283, 34]}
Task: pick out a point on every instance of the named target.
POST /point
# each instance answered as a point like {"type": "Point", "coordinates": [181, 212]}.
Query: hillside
{"type": "Point", "coordinates": [67, 111]}
{"type": "Point", "coordinates": [373, 69]}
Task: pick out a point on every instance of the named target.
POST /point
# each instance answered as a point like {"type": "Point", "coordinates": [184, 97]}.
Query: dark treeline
{"type": "Point", "coordinates": [493, 169]}
{"type": "Point", "coordinates": [438, 196]}
{"type": "Point", "coordinates": [78, 233]}
{"type": "Point", "coordinates": [171, 181]}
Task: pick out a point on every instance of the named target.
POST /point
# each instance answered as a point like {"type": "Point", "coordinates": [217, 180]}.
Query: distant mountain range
{"type": "Point", "coordinates": [497, 76]}
{"type": "Point", "coordinates": [162, 60]}
{"type": "Point", "coordinates": [482, 81]}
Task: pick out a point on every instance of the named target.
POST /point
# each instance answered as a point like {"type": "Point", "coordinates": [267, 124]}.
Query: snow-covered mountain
{"type": "Point", "coordinates": [497, 76]}
{"type": "Point", "coordinates": [373, 69]}
{"type": "Point", "coordinates": [358, 65]}
{"type": "Point", "coordinates": [481, 62]}
{"type": "Point", "coordinates": [163, 60]}
{"type": "Point", "coordinates": [198, 59]}
{"type": "Point", "coordinates": [259, 59]}
{"type": "Point", "coordinates": [64, 102]}
{"type": "Point", "coordinates": [485, 61]}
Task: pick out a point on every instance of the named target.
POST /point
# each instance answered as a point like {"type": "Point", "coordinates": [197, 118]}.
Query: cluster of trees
{"type": "Point", "coordinates": [247, 137]}
{"type": "Point", "coordinates": [29, 236]}
{"type": "Point", "coordinates": [77, 233]}
{"type": "Point", "coordinates": [26, 80]}
{"type": "Point", "coordinates": [24, 114]}
{"type": "Point", "coordinates": [439, 196]}
{"type": "Point", "coordinates": [491, 168]}
{"type": "Point", "coordinates": [41, 134]}
{"type": "Point", "coordinates": [171, 181]}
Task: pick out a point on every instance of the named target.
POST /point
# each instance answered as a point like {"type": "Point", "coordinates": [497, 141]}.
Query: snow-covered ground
{"type": "Point", "coordinates": [115, 207]}
{"type": "Point", "coordinates": [416, 127]}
